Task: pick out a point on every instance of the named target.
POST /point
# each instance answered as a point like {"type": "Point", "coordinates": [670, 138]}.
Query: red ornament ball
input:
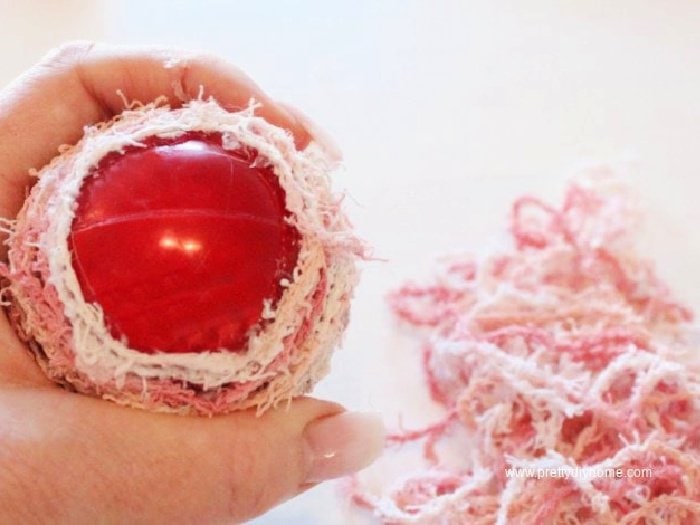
{"type": "Point", "coordinates": [181, 242]}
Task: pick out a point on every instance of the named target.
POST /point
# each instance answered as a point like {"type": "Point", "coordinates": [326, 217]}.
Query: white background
{"type": "Point", "coordinates": [445, 111]}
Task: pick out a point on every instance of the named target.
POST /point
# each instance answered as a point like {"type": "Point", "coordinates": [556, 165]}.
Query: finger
{"type": "Point", "coordinates": [92, 461]}
{"type": "Point", "coordinates": [321, 137]}
{"type": "Point", "coordinates": [78, 85]}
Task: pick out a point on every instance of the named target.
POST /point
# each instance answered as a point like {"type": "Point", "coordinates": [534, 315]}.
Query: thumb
{"type": "Point", "coordinates": [112, 464]}
{"type": "Point", "coordinates": [291, 450]}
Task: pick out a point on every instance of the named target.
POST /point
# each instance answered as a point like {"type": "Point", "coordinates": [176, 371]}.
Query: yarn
{"type": "Point", "coordinates": [284, 356]}
{"type": "Point", "coordinates": [568, 364]}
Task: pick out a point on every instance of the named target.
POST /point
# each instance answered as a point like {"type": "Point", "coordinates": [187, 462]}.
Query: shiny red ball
{"type": "Point", "coordinates": [181, 242]}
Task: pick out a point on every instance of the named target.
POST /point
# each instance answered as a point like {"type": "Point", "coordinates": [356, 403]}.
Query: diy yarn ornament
{"type": "Point", "coordinates": [187, 260]}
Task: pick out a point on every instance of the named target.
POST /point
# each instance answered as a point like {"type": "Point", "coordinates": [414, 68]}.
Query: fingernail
{"type": "Point", "coordinates": [342, 444]}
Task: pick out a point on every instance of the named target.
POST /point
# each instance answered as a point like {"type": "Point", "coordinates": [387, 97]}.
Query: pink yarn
{"type": "Point", "coordinates": [564, 351]}
{"type": "Point", "coordinates": [284, 356]}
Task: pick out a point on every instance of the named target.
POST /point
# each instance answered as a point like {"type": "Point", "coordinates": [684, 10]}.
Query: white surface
{"type": "Point", "coordinates": [445, 112]}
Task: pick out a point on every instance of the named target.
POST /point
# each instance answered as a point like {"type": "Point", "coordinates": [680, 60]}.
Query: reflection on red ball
{"type": "Point", "coordinates": [181, 242]}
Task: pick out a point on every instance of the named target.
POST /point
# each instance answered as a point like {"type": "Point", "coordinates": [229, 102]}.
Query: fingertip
{"type": "Point", "coordinates": [314, 132]}
{"type": "Point", "coordinates": [304, 444]}
{"type": "Point", "coordinates": [342, 444]}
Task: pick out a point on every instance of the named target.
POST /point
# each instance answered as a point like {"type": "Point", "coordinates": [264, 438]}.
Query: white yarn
{"type": "Point", "coordinates": [327, 245]}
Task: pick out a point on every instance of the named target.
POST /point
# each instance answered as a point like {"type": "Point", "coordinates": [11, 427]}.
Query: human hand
{"type": "Point", "coordinates": [65, 457]}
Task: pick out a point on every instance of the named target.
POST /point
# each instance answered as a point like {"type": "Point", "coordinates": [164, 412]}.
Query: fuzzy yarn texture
{"type": "Point", "coordinates": [568, 376]}
{"type": "Point", "coordinates": [284, 357]}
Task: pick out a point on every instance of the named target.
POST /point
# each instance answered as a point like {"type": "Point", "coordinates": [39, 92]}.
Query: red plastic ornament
{"type": "Point", "coordinates": [181, 242]}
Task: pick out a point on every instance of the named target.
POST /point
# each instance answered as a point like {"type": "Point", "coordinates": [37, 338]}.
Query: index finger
{"type": "Point", "coordinates": [79, 84]}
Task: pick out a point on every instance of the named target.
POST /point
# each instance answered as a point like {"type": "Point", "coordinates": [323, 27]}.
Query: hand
{"type": "Point", "coordinates": [69, 458]}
